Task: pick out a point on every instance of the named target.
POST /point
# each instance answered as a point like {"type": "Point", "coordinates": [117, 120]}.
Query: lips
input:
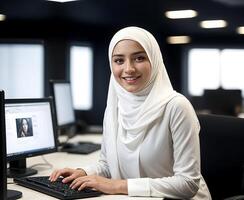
{"type": "Point", "coordinates": [130, 79]}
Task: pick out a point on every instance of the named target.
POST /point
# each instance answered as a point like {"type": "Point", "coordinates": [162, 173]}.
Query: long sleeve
{"type": "Point", "coordinates": [184, 181]}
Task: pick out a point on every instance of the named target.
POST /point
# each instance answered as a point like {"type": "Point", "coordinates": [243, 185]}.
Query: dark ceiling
{"type": "Point", "coordinates": [146, 13]}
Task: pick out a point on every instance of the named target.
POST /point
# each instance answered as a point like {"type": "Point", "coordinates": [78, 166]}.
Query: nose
{"type": "Point", "coordinates": [129, 67]}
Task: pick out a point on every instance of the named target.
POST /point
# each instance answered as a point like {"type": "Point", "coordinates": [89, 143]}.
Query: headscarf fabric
{"type": "Point", "coordinates": [128, 115]}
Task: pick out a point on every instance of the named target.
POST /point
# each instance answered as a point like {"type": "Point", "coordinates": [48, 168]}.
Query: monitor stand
{"type": "Point", "coordinates": [17, 169]}
{"type": "Point", "coordinates": [13, 194]}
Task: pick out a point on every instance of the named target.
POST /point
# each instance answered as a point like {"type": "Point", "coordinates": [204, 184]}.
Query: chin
{"type": "Point", "coordinates": [132, 90]}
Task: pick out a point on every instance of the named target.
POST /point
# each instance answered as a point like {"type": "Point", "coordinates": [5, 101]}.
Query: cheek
{"type": "Point", "coordinates": [116, 71]}
{"type": "Point", "coordinates": [147, 72]}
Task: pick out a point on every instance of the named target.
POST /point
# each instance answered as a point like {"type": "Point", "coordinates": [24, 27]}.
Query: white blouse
{"type": "Point", "coordinates": [166, 163]}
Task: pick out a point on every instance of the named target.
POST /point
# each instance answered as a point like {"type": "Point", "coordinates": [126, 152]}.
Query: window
{"type": "Point", "coordinates": [81, 76]}
{"type": "Point", "coordinates": [232, 69]}
{"type": "Point", "coordinates": [214, 68]}
{"type": "Point", "coordinates": [22, 70]}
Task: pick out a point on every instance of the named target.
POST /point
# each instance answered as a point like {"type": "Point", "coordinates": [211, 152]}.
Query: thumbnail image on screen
{"type": "Point", "coordinates": [24, 127]}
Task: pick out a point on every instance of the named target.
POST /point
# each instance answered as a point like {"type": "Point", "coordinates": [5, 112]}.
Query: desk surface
{"type": "Point", "coordinates": [61, 160]}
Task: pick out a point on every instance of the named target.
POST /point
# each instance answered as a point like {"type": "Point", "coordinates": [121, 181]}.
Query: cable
{"type": "Point", "coordinates": [46, 163]}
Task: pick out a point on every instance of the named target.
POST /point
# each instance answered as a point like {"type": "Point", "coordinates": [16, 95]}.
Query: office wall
{"type": "Point", "coordinates": [58, 35]}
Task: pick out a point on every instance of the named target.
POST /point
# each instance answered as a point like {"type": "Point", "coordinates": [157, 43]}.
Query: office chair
{"type": "Point", "coordinates": [222, 154]}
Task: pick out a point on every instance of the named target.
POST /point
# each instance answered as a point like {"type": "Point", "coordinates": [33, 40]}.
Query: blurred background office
{"type": "Point", "coordinates": [201, 42]}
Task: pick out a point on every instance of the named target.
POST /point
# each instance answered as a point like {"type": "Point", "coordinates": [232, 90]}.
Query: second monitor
{"type": "Point", "coordinates": [30, 131]}
{"type": "Point", "coordinates": [66, 121]}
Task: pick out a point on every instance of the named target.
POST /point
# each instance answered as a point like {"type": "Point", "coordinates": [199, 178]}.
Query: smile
{"type": "Point", "coordinates": [131, 79]}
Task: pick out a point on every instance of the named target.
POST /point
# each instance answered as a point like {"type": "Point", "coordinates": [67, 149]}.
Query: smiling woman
{"type": "Point", "coordinates": [146, 124]}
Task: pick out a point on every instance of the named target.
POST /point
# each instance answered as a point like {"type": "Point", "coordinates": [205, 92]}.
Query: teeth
{"type": "Point", "coordinates": [130, 78]}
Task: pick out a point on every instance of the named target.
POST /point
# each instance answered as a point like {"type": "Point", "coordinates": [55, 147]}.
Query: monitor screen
{"type": "Point", "coordinates": [30, 129]}
{"type": "Point", "coordinates": [4, 193]}
{"type": "Point", "coordinates": [61, 92]}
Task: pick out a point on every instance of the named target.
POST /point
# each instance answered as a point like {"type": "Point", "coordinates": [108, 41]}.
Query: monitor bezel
{"type": "Point", "coordinates": [3, 167]}
{"type": "Point", "coordinates": [52, 83]}
{"type": "Point", "coordinates": [42, 151]}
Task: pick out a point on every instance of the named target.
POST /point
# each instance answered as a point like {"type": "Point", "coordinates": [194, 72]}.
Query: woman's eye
{"type": "Point", "coordinates": [140, 58]}
{"type": "Point", "coordinates": [119, 61]}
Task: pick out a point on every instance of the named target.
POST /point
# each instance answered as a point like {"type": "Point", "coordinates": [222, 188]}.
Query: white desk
{"type": "Point", "coordinates": [61, 160]}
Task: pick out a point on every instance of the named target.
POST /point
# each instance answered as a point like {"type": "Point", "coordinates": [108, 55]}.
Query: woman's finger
{"type": "Point", "coordinates": [53, 175]}
{"type": "Point", "coordinates": [57, 173]}
{"type": "Point", "coordinates": [74, 182]}
{"type": "Point", "coordinates": [68, 178]}
{"type": "Point", "coordinates": [82, 186]}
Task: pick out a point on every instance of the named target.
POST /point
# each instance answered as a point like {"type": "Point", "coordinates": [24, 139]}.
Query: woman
{"type": "Point", "coordinates": [150, 140]}
{"type": "Point", "coordinates": [24, 128]}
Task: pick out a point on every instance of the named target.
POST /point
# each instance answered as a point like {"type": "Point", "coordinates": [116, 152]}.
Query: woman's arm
{"type": "Point", "coordinates": [184, 183]}
{"type": "Point", "coordinates": [105, 185]}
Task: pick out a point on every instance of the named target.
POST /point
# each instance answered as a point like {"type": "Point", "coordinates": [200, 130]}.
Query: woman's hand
{"type": "Point", "coordinates": [67, 173]}
{"type": "Point", "coordinates": [105, 185]}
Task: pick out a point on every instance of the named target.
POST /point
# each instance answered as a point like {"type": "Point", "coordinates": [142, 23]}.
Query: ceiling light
{"type": "Point", "coordinates": [179, 14]}
{"type": "Point", "coordinates": [61, 1]}
{"type": "Point", "coordinates": [178, 39]}
{"type": "Point", "coordinates": [213, 24]}
{"type": "Point", "coordinates": [240, 30]}
{"type": "Point", "coordinates": [2, 17]}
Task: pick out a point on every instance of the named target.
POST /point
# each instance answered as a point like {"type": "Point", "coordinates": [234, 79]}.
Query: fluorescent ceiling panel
{"type": "Point", "coordinates": [179, 14]}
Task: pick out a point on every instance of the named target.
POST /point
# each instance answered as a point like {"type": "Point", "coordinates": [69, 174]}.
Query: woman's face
{"type": "Point", "coordinates": [130, 65]}
{"type": "Point", "coordinates": [24, 125]}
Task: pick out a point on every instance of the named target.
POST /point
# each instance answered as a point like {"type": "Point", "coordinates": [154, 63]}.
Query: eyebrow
{"type": "Point", "coordinates": [135, 53]}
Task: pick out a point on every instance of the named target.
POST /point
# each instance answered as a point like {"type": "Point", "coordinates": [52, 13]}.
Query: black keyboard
{"type": "Point", "coordinates": [81, 147]}
{"type": "Point", "coordinates": [56, 189]}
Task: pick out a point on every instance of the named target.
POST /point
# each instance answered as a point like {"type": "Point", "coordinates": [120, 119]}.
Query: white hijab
{"type": "Point", "coordinates": [127, 114]}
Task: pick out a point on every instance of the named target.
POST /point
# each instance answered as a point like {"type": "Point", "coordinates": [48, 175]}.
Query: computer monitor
{"type": "Point", "coordinates": [63, 103]}
{"type": "Point", "coordinates": [223, 102]}
{"type": "Point", "coordinates": [4, 193]}
{"type": "Point", "coordinates": [66, 121]}
{"type": "Point", "coordinates": [30, 131]}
